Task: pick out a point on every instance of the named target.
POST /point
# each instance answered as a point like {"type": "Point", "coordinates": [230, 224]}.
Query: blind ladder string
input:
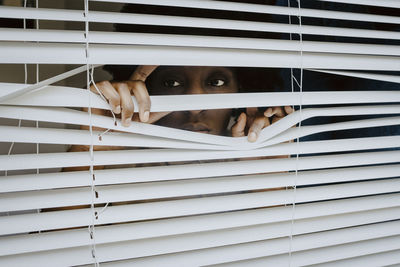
{"type": "Point", "coordinates": [91, 170]}
{"type": "Point", "coordinates": [291, 69]}
{"type": "Point", "coordinates": [25, 82]}
{"type": "Point", "coordinates": [104, 99]}
{"type": "Point", "coordinates": [37, 81]}
{"type": "Point", "coordinates": [300, 85]}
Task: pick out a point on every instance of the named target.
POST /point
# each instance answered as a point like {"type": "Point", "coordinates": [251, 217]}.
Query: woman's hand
{"type": "Point", "coordinates": [118, 95]}
{"type": "Point", "coordinates": [253, 121]}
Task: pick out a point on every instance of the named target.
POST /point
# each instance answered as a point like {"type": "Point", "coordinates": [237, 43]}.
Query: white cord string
{"type": "Point", "coordinates": [104, 99]}
{"type": "Point", "coordinates": [37, 81]}
{"type": "Point", "coordinates": [103, 209]}
{"type": "Point", "coordinates": [291, 38]}
{"type": "Point", "coordinates": [300, 85]}
{"type": "Point", "coordinates": [25, 65]}
{"type": "Point", "coordinates": [94, 194]}
{"type": "Point", "coordinates": [25, 81]}
{"type": "Point", "coordinates": [291, 70]}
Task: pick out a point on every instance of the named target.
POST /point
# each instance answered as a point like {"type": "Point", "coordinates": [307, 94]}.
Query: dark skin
{"type": "Point", "coordinates": [195, 80]}
{"type": "Point", "coordinates": [181, 80]}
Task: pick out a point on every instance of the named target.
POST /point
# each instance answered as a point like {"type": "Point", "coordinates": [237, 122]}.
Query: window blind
{"type": "Point", "coordinates": [320, 186]}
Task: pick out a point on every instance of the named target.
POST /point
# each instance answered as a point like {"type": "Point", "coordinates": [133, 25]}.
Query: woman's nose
{"type": "Point", "coordinates": [195, 89]}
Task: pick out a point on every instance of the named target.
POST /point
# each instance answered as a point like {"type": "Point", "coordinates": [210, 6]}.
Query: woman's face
{"type": "Point", "coordinates": [194, 80]}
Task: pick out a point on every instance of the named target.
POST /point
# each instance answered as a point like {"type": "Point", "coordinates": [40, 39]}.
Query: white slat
{"type": "Point", "coordinates": [170, 185]}
{"type": "Point", "coordinates": [264, 9]}
{"type": "Point", "coordinates": [378, 259]}
{"type": "Point", "coordinates": [69, 116]}
{"type": "Point", "coordinates": [321, 255]}
{"type": "Point", "coordinates": [128, 213]}
{"type": "Point", "coordinates": [67, 36]}
{"type": "Point", "coordinates": [381, 3]}
{"type": "Point", "coordinates": [58, 96]}
{"type": "Point", "coordinates": [117, 233]}
{"type": "Point", "coordinates": [104, 158]}
{"type": "Point", "coordinates": [177, 21]}
{"type": "Point", "coordinates": [372, 76]}
{"type": "Point", "coordinates": [81, 196]}
{"type": "Point", "coordinates": [46, 53]}
{"type": "Point", "coordinates": [210, 256]}
{"type": "Point", "coordinates": [125, 250]}
{"type": "Point", "coordinates": [82, 137]}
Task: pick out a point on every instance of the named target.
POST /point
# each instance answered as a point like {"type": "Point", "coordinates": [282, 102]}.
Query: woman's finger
{"type": "Point", "coordinates": [255, 129]}
{"type": "Point", "coordinates": [154, 116]}
{"type": "Point", "coordinates": [274, 111]}
{"type": "Point", "coordinates": [143, 99]}
{"type": "Point", "coordinates": [110, 94]}
{"type": "Point", "coordinates": [288, 109]}
{"type": "Point", "coordinates": [279, 111]}
{"type": "Point", "coordinates": [239, 127]}
{"type": "Point", "coordinates": [126, 103]}
{"type": "Point", "coordinates": [142, 72]}
{"type": "Point", "coordinates": [138, 87]}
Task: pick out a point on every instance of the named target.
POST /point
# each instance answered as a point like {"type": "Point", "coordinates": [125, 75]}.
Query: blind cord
{"type": "Point", "coordinates": [104, 99]}
{"type": "Point", "coordinates": [300, 85]}
{"type": "Point", "coordinates": [94, 194]}
{"type": "Point", "coordinates": [25, 82]}
{"type": "Point", "coordinates": [37, 81]}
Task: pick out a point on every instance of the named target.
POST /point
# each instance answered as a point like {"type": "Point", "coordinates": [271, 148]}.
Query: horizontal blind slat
{"type": "Point", "coordinates": [128, 213]}
{"type": "Point", "coordinates": [264, 9]}
{"type": "Point", "coordinates": [46, 53]}
{"type": "Point", "coordinates": [124, 250]}
{"type": "Point", "coordinates": [29, 182]}
{"type": "Point", "coordinates": [74, 97]}
{"type": "Point", "coordinates": [382, 3]}
{"type": "Point", "coordinates": [69, 116]}
{"type": "Point", "coordinates": [117, 233]}
{"type": "Point", "coordinates": [81, 196]}
{"type": "Point", "coordinates": [377, 259]}
{"type": "Point", "coordinates": [81, 137]}
{"type": "Point", "coordinates": [104, 158]}
{"type": "Point", "coordinates": [326, 254]}
{"type": "Point", "coordinates": [113, 17]}
{"type": "Point", "coordinates": [207, 257]}
{"type": "Point", "coordinates": [372, 76]}
{"type": "Point", "coordinates": [68, 36]}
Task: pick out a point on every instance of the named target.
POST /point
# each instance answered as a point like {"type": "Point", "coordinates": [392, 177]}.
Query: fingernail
{"type": "Point", "coordinates": [117, 109]}
{"type": "Point", "coordinates": [252, 137]}
{"type": "Point", "coordinates": [268, 112]}
{"type": "Point", "coordinates": [146, 116]}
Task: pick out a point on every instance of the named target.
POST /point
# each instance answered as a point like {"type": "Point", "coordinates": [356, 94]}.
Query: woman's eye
{"type": "Point", "coordinates": [217, 82]}
{"type": "Point", "coordinates": [172, 83]}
